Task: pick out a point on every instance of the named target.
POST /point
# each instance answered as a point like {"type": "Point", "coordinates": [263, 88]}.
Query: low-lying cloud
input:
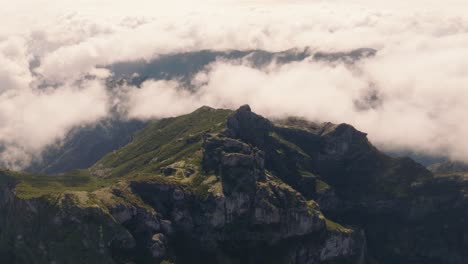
{"type": "Point", "coordinates": [32, 119]}
{"type": "Point", "coordinates": [407, 110]}
{"type": "Point", "coordinates": [51, 78]}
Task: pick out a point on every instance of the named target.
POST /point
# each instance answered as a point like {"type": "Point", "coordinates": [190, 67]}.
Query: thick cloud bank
{"type": "Point", "coordinates": [412, 95]}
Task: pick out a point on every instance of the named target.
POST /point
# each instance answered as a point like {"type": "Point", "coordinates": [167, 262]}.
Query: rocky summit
{"type": "Point", "coordinates": [221, 186]}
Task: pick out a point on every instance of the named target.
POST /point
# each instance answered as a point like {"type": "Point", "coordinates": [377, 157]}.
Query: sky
{"type": "Point", "coordinates": [420, 72]}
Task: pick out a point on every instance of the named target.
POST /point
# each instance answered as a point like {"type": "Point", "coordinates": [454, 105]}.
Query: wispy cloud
{"type": "Point", "coordinates": [419, 73]}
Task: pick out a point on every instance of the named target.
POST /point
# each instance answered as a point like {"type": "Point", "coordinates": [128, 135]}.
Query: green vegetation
{"type": "Point", "coordinates": [32, 186]}
{"type": "Point", "coordinates": [198, 187]}
{"type": "Point", "coordinates": [160, 144]}
{"type": "Point", "coordinates": [321, 186]}
{"type": "Point", "coordinates": [306, 174]}
{"type": "Point", "coordinates": [159, 176]}
{"type": "Point", "coordinates": [313, 207]}
{"type": "Point", "coordinates": [164, 142]}
{"type": "Point", "coordinates": [335, 227]}
{"type": "Point", "coordinates": [299, 123]}
{"type": "Point", "coordinates": [287, 143]}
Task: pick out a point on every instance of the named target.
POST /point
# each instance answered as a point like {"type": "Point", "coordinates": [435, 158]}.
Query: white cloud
{"type": "Point", "coordinates": [417, 111]}
{"type": "Point", "coordinates": [32, 119]}
{"type": "Point", "coordinates": [420, 70]}
{"type": "Point", "coordinates": [158, 99]}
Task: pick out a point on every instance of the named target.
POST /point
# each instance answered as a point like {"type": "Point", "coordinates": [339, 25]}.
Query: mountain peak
{"type": "Point", "coordinates": [204, 108]}
{"type": "Point", "coordinates": [245, 108]}
{"type": "Point", "coordinates": [209, 179]}
{"type": "Point", "coordinates": [247, 125]}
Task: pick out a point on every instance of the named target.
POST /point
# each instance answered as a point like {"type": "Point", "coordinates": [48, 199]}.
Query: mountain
{"type": "Point", "coordinates": [85, 145]}
{"type": "Point", "coordinates": [184, 66]}
{"type": "Point", "coordinates": [222, 186]}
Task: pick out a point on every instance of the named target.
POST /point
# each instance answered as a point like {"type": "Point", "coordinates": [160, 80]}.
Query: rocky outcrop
{"type": "Point", "coordinates": [239, 165]}
{"type": "Point", "coordinates": [246, 125]}
{"type": "Point", "coordinates": [363, 183]}
{"type": "Point", "coordinates": [246, 203]}
{"type": "Point", "coordinates": [340, 244]}
{"type": "Point", "coordinates": [57, 230]}
{"type": "Point", "coordinates": [233, 187]}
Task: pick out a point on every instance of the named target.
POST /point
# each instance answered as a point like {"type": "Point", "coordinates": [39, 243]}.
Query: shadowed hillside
{"type": "Point", "coordinates": [218, 186]}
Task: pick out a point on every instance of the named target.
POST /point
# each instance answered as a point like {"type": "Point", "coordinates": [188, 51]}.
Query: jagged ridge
{"type": "Point", "coordinates": [217, 186]}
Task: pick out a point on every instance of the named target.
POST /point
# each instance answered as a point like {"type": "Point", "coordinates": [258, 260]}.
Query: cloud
{"type": "Point", "coordinates": [158, 99]}
{"type": "Point", "coordinates": [415, 111]}
{"type": "Point", "coordinates": [49, 48]}
{"type": "Point", "coordinates": [76, 43]}
{"type": "Point", "coordinates": [30, 120]}
{"type": "Point", "coordinates": [14, 65]}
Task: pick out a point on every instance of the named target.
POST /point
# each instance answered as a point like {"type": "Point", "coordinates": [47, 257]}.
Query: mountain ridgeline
{"type": "Point", "coordinates": [85, 145]}
{"type": "Point", "coordinates": [222, 186]}
{"type": "Point", "coordinates": [184, 66]}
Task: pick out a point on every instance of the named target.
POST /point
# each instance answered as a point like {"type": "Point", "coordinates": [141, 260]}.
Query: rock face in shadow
{"type": "Point", "coordinates": [249, 215]}
{"type": "Point", "coordinates": [239, 165]}
{"type": "Point", "coordinates": [408, 215]}
{"type": "Point", "coordinates": [216, 186]}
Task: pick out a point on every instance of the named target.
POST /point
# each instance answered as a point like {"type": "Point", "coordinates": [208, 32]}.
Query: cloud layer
{"type": "Point", "coordinates": [50, 49]}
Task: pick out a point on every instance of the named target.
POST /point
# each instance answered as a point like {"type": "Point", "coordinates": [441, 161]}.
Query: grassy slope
{"type": "Point", "coordinates": [164, 142]}
{"type": "Point", "coordinates": [177, 142]}
{"type": "Point", "coordinates": [36, 185]}
{"type": "Point", "coordinates": [160, 144]}
{"type": "Point", "coordinates": [173, 141]}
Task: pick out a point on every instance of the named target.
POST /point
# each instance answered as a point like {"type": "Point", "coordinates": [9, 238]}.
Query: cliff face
{"type": "Point", "coordinates": [408, 215]}
{"type": "Point", "coordinates": [55, 228]}
{"type": "Point", "coordinates": [217, 186]}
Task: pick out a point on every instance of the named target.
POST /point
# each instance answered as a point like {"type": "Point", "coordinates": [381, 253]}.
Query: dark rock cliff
{"type": "Point", "coordinates": [217, 186]}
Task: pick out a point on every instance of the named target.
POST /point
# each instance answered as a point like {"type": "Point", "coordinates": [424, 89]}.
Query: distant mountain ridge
{"type": "Point", "coordinates": [184, 66]}
{"type": "Point", "coordinates": [85, 145]}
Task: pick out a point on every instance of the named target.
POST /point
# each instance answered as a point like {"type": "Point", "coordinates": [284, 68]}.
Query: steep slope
{"type": "Point", "coordinates": [409, 215]}
{"type": "Point", "coordinates": [181, 190]}
{"type": "Point", "coordinates": [337, 154]}
{"type": "Point", "coordinates": [85, 145]}
{"type": "Point", "coordinates": [217, 186]}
